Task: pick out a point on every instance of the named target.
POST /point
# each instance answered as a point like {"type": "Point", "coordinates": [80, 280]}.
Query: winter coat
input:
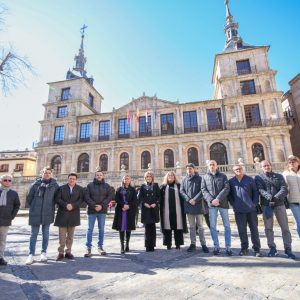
{"type": "Point", "coordinates": [41, 202]}
{"type": "Point", "coordinates": [272, 188]}
{"type": "Point", "coordinates": [191, 189]}
{"type": "Point", "coordinates": [97, 193]}
{"type": "Point", "coordinates": [149, 194]}
{"type": "Point", "coordinates": [215, 187]}
{"type": "Point", "coordinates": [243, 195]}
{"type": "Point", "coordinates": [162, 206]}
{"type": "Point", "coordinates": [64, 217]}
{"type": "Point", "coordinates": [131, 199]}
{"type": "Point", "coordinates": [10, 210]}
{"type": "Point", "coordinates": [293, 181]}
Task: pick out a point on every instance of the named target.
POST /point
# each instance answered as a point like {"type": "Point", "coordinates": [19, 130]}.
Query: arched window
{"type": "Point", "coordinates": [103, 162]}
{"type": "Point", "coordinates": [218, 153]}
{"type": "Point", "coordinates": [145, 159]}
{"type": "Point", "coordinates": [83, 164]}
{"type": "Point", "coordinates": [193, 156]}
{"type": "Point", "coordinates": [124, 160]}
{"type": "Point", "coordinates": [169, 159]}
{"type": "Point", "coordinates": [258, 151]}
{"type": "Point", "coordinates": [56, 164]}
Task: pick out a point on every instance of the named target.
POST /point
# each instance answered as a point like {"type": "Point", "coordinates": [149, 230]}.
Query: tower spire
{"type": "Point", "coordinates": [231, 27]}
{"type": "Point", "coordinates": [80, 59]}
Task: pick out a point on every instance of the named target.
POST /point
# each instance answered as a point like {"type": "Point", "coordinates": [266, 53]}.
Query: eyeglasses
{"type": "Point", "coordinates": [6, 180]}
{"type": "Point", "coordinates": [239, 169]}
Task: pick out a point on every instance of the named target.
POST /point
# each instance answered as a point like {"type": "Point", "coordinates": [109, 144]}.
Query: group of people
{"type": "Point", "coordinates": [172, 204]}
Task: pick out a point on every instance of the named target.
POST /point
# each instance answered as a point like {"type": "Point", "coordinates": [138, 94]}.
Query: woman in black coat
{"type": "Point", "coordinates": [149, 197]}
{"type": "Point", "coordinates": [172, 212]}
{"type": "Point", "coordinates": [125, 211]}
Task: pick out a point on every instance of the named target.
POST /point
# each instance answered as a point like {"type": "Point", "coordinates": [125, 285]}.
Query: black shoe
{"type": "Point", "coordinates": [216, 251]}
{"type": "Point", "coordinates": [205, 249]}
{"type": "Point", "coordinates": [191, 248]}
{"type": "Point", "coordinates": [127, 248]}
{"type": "Point", "coordinates": [273, 252]}
{"type": "Point", "coordinates": [3, 262]}
{"type": "Point", "coordinates": [88, 253]}
{"type": "Point", "coordinates": [244, 252]}
{"type": "Point", "coordinates": [69, 255]}
{"type": "Point", "coordinates": [169, 247]}
{"type": "Point", "coordinates": [229, 252]}
{"type": "Point", "coordinates": [288, 252]}
{"type": "Point", "coordinates": [258, 254]}
{"type": "Point", "coordinates": [178, 247]}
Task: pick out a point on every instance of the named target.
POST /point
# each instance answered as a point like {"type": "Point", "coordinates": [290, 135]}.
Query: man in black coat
{"type": "Point", "coordinates": [9, 206]}
{"type": "Point", "coordinates": [273, 189]}
{"type": "Point", "coordinates": [69, 198]}
{"type": "Point", "coordinates": [190, 190]}
{"type": "Point", "coordinates": [97, 196]}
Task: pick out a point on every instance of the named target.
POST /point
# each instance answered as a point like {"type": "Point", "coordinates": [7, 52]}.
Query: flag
{"type": "Point", "coordinates": [154, 112]}
{"type": "Point", "coordinates": [146, 114]}
{"type": "Point", "coordinates": [138, 115]}
{"type": "Point", "coordinates": [128, 116]}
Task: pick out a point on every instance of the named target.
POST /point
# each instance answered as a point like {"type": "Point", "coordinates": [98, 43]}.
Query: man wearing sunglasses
{"type": "Point", "coordinates": [9, 206]}
{"type": "Point", "coordinates": [244, 197]}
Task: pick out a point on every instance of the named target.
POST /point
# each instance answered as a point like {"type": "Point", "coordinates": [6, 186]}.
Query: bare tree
{"type": "Point", "coordinates": [12, 65]}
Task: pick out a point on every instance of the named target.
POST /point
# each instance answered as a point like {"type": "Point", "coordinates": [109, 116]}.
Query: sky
{"type": "Point", "coordinates": [162, 47]}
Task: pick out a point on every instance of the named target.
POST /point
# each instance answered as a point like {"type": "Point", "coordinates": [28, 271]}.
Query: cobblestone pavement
{"type": "Point", "coordinates": [173, 274]}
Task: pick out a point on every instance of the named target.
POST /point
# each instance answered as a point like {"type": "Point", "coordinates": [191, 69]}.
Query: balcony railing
{"type": "Point", "coordinates": [177, 131]}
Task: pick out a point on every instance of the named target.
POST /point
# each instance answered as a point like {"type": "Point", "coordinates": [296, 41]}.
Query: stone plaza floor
{"type": "Point", "coordinates": [163, 274]}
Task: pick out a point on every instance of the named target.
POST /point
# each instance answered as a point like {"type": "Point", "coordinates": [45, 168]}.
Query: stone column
{"type": "Point", "coordinates": [111, 159]}
{"type": "Point", "coordinates": [156, 158]}
{"type": "Point", "coordinates": [133, 159]}
{"type": "Point", "coordinates": [93, 166]}
{"type": "Point", "coordinates": [231, 152]}
{"type": "Point", "coordinates": [263, 110]}
{"type": "Point", "coordinates": [205, 152]}
{"type": "Point", "coordinates": [271, 148]}
{"type": "Point", "coordinates": [179, 147]}
{"type": "Point", "coordinates": [74, 162]}
{"type": "Point", "coordinates": [279, 108]}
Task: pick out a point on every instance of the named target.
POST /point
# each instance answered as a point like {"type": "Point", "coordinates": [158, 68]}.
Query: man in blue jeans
{"type": "Point", "coordinates": [97, 196]}
{"type": "Point", "coordinates": [41, 201]}
{"type": "Point", "coordinates": [215, 189]}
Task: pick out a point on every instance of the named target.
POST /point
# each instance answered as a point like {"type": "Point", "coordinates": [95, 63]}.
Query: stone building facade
{"type": "Point", "coordinates": [244, 120]}
{"type": "Point", "coordinates": [291, 107]}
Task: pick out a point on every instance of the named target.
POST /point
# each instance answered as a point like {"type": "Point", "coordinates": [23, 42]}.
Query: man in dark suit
{"type": "Point", "coordinates": [69, 198]}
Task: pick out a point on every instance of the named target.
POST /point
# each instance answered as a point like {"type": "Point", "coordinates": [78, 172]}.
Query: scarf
{"type": "Point", "coordinates": [3, 197]}
{"type": "Point", "coordinates": [167, 209]}
{"type": "Point", "coordinates": [42, 187]}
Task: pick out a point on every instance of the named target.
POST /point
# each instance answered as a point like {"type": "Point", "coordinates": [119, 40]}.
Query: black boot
{"type": "Point", "coordinates": [122, 241]}
{"type": "Point", "coordinates": [128, 233]}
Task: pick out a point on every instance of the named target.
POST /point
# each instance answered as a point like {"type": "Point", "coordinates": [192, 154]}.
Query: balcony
{"type": "Point", "coordinates": [175, 131]}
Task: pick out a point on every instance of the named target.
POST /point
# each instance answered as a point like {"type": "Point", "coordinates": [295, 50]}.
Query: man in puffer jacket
{"type": "Point", "coordinates": [273, 190]}
{"type": "Point", "coordinates": [215, 189]}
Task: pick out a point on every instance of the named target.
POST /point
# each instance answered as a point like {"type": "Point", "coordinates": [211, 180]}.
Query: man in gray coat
{"type": "Point", "coordinates": [273, 190]}
{"type": "Point", "coordinates": [190, 190]}
{"type": "Point", "coordinates": [9, 207]}
{"type": "Point", "coordinates": [215, 188]}
{"type": "Point", "coordinates": [41, 203]}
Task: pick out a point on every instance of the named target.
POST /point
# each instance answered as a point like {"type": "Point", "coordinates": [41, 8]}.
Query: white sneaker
{"type": "Point", "coordinates": [43, 257]}
{"type": "Point", "coordinates": [29, 259]}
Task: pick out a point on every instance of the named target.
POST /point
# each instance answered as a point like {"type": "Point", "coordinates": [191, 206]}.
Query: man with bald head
{"type": "Point", "coordinates": [273, 190]}
{"type": "Point", "coordinates": [215, 189]}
